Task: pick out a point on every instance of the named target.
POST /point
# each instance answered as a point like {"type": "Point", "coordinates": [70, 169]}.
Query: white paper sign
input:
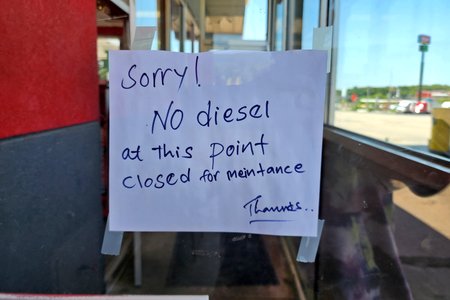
{"type": "Point", "coordinates": [217, 141]}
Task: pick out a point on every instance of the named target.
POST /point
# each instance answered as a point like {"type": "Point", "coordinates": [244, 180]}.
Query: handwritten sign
{"type": "Point", "coordinates": [218, 141]}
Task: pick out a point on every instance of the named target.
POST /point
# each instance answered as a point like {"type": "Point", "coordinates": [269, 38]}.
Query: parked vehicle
{"type": "Point", "coordinates": [445, 104]}
{"type": "Point", "coordinates": [425, 106]}
{"type": "Point", "coordinates": [406, 106]}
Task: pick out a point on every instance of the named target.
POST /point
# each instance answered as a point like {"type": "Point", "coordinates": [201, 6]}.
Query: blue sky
{"type": "Point", "coordinates": [146, 13]}
{"type": "Point", "coordinates": [378, 42]}
{"type": "Point", "coordinates": [377, 38]}
{"type": "Point", "coordinates": [255, 20]}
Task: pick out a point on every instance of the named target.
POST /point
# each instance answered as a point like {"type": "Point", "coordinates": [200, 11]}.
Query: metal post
{"type": "Point", "coordinates": [424, 41]}
{"type": "Point", "coordinates": [182, 28]}
{"type": "Point", "coordinates": [421, 75]}
{"type": "Point", "coordinates": [270, 25]}
{"type": "Point", "coordinates": [285, 28]}
{"type": "Point", "coordinates": [192, 30]}
{"type": "Point", "coordinates": [202, 25]}
{"type": "Point", "coordinates": [137, 251]}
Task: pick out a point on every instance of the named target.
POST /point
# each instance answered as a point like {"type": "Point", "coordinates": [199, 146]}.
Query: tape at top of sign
{"type": "Point", "coordinates": [323, 40]}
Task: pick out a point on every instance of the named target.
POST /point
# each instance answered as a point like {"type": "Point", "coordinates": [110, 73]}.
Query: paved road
{"type": "Point", "coordinates": [401, 129]}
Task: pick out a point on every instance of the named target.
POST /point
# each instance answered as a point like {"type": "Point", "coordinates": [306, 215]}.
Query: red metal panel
{"type": "Point", "coordinates": [48, 67]}
{"type": "Point", "coordinates": [110, 31]}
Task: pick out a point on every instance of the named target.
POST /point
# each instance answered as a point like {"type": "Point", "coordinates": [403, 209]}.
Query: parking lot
{"type": "Point", "coordinates": [400, 129]}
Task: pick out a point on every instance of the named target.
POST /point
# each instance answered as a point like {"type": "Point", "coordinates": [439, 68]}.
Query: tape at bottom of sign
{"type": "Point", "coordinates": [112, 241]}
{"type": "Point", "coordinates": [309, 245]}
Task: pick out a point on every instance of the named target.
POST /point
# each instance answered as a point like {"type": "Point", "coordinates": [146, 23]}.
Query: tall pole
{"type": "Point", "coordinates": [421, 75]}
{"type": "Point", "coordinates": [424, 41]}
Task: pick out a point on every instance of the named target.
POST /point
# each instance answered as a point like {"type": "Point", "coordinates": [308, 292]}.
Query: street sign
{"type": "Point", "coordinates": [423, 48]}
{"type": "Point", "coordinates": [424, 39]}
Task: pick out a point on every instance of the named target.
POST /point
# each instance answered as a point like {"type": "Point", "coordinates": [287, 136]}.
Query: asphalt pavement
{"type": "Point", "coordinates": [400, 129]}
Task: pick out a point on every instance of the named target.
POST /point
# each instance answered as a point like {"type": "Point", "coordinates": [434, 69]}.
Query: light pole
{"type": "Point", "coordinates": [424, 41]}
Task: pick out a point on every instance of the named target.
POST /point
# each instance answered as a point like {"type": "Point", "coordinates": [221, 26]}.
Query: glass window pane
{"type": "Point", "coordinates": [239, 26]}
{"type": "Point", "coordinates": [382, 65]}
{"type": "Point", "coordinates": [279, 28]}
{"type": "Point", "coordinates": [309, 21]}
{"type": "Point", "coordinates": [175, 26]}
{"type": "Point", "coordinates": [391, 85]}
{"type": "Point", "coordinates": [147, 15]}
{"type": "Point", "coordinates": [386, 224]}
{"type": "Point", "coordinates": [104, 44]}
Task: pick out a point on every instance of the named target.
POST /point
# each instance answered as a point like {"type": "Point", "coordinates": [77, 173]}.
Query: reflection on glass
{"type": "Point", "coordinates": [188, 47]}
{"type": "Point", "coordinates": [382, 238]}
{"type": "Point", "coordinates": [255, 21]}
{"type": "Point", "coordinates": [309, 20]}
{"type": "Point", "coordinates": [422, 233]}
{"type": "Point", "coordinates": [147, 15]}
{"type": "Point", "coordinates": [241, 26]}
{"type": "Point", "coordinates": [104, 44]}
{"type": "Point", "coordinates": [184, 31]}
{"type": "Point", "coordinates": [382, 64]}
{"type": "Point", "coordinates": [175, 28]}
{"type": "Point", "coordinates": [279, 28]}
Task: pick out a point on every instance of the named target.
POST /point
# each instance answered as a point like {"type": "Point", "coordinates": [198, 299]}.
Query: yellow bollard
{"type": "Point", "coordinates": [440, 132]}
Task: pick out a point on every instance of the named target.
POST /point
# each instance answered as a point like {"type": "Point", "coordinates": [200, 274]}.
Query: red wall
{"type": "Point", "coordinates": [48, 65]}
